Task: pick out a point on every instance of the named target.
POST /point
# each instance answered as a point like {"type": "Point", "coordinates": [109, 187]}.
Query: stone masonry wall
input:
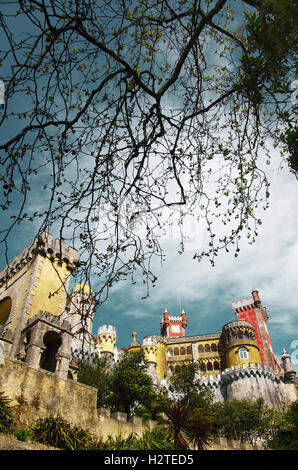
{"type": "Point", "coordinates": [39, 393]}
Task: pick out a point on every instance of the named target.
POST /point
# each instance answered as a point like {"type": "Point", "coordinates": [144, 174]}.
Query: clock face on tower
{"type": "Point", "coordinates": [175, 329]}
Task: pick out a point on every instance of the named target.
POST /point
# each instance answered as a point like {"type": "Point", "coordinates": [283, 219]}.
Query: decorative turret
{"type": "Point", "coordinates": [288, 367]}
{"type": "Point", "coordinates": [256, 297]}
{"type": "Point", "coordinates": [106, 339]}
{"type": "Point", "coordinates": [239, 343]}
{"type": "Point", "coordinates": [173, 326]}
{"type": "Point", "coordinates": [149, 346]}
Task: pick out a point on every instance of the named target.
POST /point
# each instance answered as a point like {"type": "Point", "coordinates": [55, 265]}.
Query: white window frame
{"type": "Point", "coordinates": [243, 353]}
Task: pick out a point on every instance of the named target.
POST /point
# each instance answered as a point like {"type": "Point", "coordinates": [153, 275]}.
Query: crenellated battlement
{"type": "Point", "coordinates": [244, 370]}
{"type": "Point", "coordinates": [173, 318]}
{"type": "Point", "coordinates": [107, 329]}
{"type": "Point", "coordinates": [45, 245]}
{"type": "Point", "coordinates": [243, 304]}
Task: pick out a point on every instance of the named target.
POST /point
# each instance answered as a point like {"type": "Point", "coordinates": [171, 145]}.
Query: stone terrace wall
{"type": "Point", "coordinates": [39, 393]}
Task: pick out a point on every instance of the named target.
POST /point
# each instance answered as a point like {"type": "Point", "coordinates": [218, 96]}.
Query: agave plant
{"type": "Point", "coordinates": [6, 414]}
{"type": "Point", "coordinates": [158, 438]}
{"type": "Point", "coordinates": [56, 432]}
{"type": "Point", "coordinates": [121, 443]}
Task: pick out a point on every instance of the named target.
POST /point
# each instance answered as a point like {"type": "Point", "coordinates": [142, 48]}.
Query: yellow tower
{"type": "Point", "coordinates": [155, 353]}
{"type": "Point", "coordinates": [239, 344]}
{"type": "Point", "coordinates": [80, 309]}
{"type": "Point", "coordinates": [36, 279]}
{"type": "Point", "coordinates": [106, 339]}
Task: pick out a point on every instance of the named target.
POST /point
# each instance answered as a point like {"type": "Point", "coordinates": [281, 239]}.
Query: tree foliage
{"type": "Point", "coordinates": [129, 115]}
{"type": "Point", "coordinates": [130, 384]}
{"type": "Point", "coordinates": [97, 374]}
{"type": "Point", "coordinates": [243, 420]}
{"type": "Point", "coordinates": [286, 433]}
{"type": "Point", "coordinates": [124, 386]}
{"type": "Point", "coordinates": [186, 387]}
{"type": "Point", "coordinates": [187, 409]}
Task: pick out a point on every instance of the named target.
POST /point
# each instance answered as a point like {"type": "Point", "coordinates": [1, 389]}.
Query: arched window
{"type": "Point", "coordinates": [201, 348]}
{"type": "Point", "coordinates": [188, 350]}
{"type": "Point", "coordinates": [5, 308]}
{"type": "Point", "coordinates": [182, 351]}
{"type": "Point", "coordinates": [243, 353]}
{"type": "Point", "coordinates": [52, 341]}
{"type": "Point", "coordinates": [207, 347]}
{"type": "Point", "coordinates": [176, 351]}
{"type": "Point", "coordinates": [203, 367]}
{"type": "Point", "coordinates": [216, 365]}
{"type": "Point", "coordinates": [209, 366]}
{"type": "Point", "coordinates": [213, 347]}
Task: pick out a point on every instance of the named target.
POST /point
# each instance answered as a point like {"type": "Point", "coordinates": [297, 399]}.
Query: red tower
{"type": "Point", "coordinates": [252, 310]}
{"type": "Point", "coordinates": [173, 327]}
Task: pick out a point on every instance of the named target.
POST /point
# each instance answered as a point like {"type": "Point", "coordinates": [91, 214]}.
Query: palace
{"type": "Point", "coordinates": [50, 329]}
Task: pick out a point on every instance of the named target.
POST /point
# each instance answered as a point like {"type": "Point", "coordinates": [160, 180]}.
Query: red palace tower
{"type": "Point", "coordinates": [254, 312]}
{"type": "Point", "coordinates": [173, 327]}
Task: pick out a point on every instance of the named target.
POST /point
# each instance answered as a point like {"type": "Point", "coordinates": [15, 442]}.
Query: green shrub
{"type": "Point", "coordinates": [6, 414]}
{"type": "Point", "coordinates": [96, 443]}
{"type": "Point", "coordinates": [156, 439]}
{"type": "Point", "coordinates": [21, 435]}
{"type": "Point", "coordinates": [286, 434]}
{"type": "Point", "coordinates": [121, 443]}
{"type": "Point", "coordinates": [56, 432]}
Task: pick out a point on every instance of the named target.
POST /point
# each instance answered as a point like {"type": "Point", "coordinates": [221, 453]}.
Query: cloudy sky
{"type": "Point", "coordinates": [206, 292]}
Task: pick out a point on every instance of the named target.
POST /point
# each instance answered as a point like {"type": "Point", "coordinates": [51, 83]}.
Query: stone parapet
{"type": "Point", "coordinates": [222, 443]}
{"type": "Point", "coordinates": [47, 317]}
